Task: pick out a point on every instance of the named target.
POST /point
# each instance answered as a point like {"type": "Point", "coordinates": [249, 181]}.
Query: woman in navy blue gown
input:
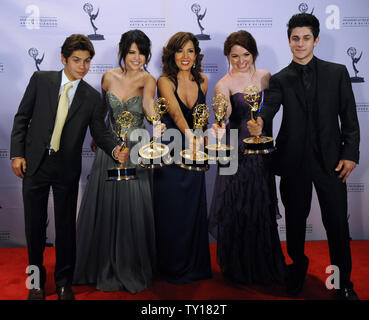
{"type": "Point", "coordinates": [180, 207]}
{"type": "Point", "coordinates": [244, 207]}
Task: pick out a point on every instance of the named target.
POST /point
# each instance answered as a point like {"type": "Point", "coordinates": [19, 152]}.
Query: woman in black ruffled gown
{"type": "Point", "coordinates": [244, 207]}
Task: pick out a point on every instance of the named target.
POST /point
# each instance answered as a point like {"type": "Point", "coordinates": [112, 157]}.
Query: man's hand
{"type": "Point", "coordinates": [255, 128]}
{"type": "Point", "coordinates": [93, 146]}
{"type": "Point", "coordinates": [121, 155]}
{"type": "Point", "coordinates": [344, 168]}
{"type": "Point", "coordinates": [218, 132]}
{"type": "Point", "coordinates": [19, 167]}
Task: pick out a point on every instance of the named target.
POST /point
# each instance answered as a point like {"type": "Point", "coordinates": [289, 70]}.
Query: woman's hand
{"type": "Point", "coordinates": [255, 128]}
{"type": "Point", "coordinates": [196, 143]}
{"type": "Point", "coordinates": [121, 154]}
{"type": "Point", "coordinates": [218, 132]}
{"type": "Point", "coordinates": [158, 129]}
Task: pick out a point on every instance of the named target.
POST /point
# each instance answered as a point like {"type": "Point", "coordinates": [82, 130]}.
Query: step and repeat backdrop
{"type": "Point", "coordinates": [32, 32]}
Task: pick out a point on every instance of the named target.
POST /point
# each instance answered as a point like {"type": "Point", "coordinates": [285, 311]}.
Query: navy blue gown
{"type": "Point", "coordinates": [180, 211]}
{"type": "Point", "coordinates": [244, 211]}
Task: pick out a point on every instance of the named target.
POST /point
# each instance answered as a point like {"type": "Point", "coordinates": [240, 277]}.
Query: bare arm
{"type": "Point", "coordinates": [105, 85]}
{"type": "Point", "coordinates": [148, 104]}
{"type": "Point", "coordinates": [264, 81]}
{"type": "Point", "coordinates": [222, 88]}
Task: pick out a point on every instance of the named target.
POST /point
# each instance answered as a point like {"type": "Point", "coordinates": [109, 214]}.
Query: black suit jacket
{"type": "Point", "coordinates": [338, 129]}
{"type": "Point", "coordinates": [35, 119]}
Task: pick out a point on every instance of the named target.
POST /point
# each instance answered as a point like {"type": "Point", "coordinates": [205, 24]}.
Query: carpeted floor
{"type": "Point", "coordinates": [13, 263]}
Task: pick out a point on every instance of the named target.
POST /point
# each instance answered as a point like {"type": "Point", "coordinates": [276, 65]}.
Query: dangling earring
{"type": "Point", "coordinates": [194, 66]}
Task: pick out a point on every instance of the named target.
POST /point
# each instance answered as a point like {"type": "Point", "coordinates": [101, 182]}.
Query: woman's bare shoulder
{"type": "Point", "coordinates": [224, 83]}
{"type": "Point", "coordinates": [165, 81]}
{"type": "Point", "coordinates": [148, 77]}
{"type": "Point", "coordinates": [263, 73]}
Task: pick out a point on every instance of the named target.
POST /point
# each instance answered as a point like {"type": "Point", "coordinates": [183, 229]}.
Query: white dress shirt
{"type": "Point", "coordinates": [71, 91]}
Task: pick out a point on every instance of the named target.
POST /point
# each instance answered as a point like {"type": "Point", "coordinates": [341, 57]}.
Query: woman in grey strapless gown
{"type": "Point", "coordinates": [115, 227]}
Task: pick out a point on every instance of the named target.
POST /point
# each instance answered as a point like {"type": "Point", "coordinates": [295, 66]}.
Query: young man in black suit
{"type": "Point", "coordinates": [46, 146]}
{"type": "Point", "coordinates": [318, 143]}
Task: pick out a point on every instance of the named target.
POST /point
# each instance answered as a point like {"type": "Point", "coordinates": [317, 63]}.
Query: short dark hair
{"type": "Point", "coordinates": [175, 43]}
{"type": "Point", "coordinates": [77, 42]}
{"type": "Point", "coordinates": [140, 39]}
{"type": "Point", "coordinates": [243, 39]}
{"type": "Point", "coordinates": [304, 20]}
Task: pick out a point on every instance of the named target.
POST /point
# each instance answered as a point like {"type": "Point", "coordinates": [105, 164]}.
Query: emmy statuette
{"type": "Point", "coordinates": [219, 150]}
{"type": "Point", "coordinates": [259, 144]}
{"type": "Point", "coordinates": [120, 128]}
{"type": "Point", "coordinates": [154, 150]}
{"type": "Point", "coordinates": [198, 159]}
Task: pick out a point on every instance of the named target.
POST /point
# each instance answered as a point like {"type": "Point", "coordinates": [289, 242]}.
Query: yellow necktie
{"type": "Point", "coordinates": [61, 115]}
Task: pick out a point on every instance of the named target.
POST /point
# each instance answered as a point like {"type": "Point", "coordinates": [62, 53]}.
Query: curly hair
{"type": "Point", "coordinates": [175, 43]}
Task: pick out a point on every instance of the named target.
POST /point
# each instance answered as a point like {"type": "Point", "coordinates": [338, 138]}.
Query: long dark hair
{"type": "Point", "coordinates": [175, 43]}
{"type": "Point", "coordinates": [142, 41]}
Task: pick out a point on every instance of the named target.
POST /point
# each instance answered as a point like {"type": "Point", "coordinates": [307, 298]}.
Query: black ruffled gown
{"type": "Point", "coordinates": [244, 211]}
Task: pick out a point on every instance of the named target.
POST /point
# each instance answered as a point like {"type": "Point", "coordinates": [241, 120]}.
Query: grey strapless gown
{"type": "Point", "coordinates": [115, 226]}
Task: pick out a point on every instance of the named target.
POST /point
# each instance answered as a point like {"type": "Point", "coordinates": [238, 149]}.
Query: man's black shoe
{"type": "Point", "coordinates": [65, 293]}
{"type": "Point", "coordinates": [347, 294]}
{"type": "Point", "coordinates": [296, 277]}
{"type": "Point", "coordinates": [36, 294]}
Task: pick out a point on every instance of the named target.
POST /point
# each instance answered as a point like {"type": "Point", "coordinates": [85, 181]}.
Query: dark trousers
{"type": "Point", "coordinates": [36, 190]}
{"type": "Point", "coordinates": [296, 195]}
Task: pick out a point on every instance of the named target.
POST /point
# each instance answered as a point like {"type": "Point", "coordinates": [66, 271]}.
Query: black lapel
{"type": "Point", "coordinates": [295, 82]}
{"type": "Point", "coordinates": [54, 87]}
{"type": "Point", "coordinates": [79, 97]}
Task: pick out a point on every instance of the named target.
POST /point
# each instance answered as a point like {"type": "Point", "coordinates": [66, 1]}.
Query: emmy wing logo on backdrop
{"type": "Point", "coordinates": [88, 8]}
{"type": "Point", "coordinates": [303, 8]}
{"type": "Point", "coordinates": [352, 53]}
{"type": "Point", "coordinates": [33, 52]}
{"type": "Point", "coordinates": [196, 8]}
